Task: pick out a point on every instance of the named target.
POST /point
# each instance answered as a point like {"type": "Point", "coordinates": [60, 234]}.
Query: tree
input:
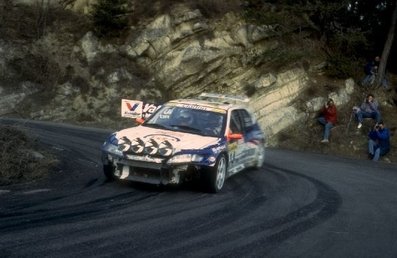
{"type": "Point", "coordinates": [350, 30]}
{"type": "Point", "coordinates": [387, 47]}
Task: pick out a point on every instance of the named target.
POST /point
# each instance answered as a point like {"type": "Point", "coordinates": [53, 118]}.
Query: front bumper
{"type": "Point", "coordinates": [150, 170]}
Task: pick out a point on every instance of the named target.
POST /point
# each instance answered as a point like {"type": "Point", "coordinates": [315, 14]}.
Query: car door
{"type": "Point", "coordinates": [252, 136]}
{"type": "Point", "coordinates": [236, 147]}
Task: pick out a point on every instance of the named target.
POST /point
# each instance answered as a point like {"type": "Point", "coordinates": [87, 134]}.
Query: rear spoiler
{"type": "Point", "coordinates": [137, 109]}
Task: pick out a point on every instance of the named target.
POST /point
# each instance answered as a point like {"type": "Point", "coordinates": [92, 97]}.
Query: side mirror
{"type": "Point", "coordinates": [139, 120]}
{"type": "Point", "coordinates": [234, 136]}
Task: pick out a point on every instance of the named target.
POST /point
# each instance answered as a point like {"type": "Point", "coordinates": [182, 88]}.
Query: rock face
{"type": "Point", "coordinates": [183, 54]}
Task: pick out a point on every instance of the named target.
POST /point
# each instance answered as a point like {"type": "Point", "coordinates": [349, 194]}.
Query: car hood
{"type": "Point", "coordinates": [179, 140]}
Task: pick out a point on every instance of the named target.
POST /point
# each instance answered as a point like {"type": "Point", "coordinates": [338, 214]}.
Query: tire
{"type": "Point", "coordinates": [108, 170]}
{"type": "Point", "coordinates": [260, 158]}
{"type": "Point", "coordinates": [214, 178]}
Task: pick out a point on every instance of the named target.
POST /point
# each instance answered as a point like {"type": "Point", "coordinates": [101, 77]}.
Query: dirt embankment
{"type": "Point", "coordinates": [346, 139]}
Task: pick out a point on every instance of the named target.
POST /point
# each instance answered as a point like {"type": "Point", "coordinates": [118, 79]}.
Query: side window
{"type": "Point", "coordinates": [246, 118]}
{"type": "Point", "coordinates": [235, 122]}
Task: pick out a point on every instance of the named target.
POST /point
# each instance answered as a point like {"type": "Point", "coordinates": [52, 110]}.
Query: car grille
{"type": "Point", "coordinates": [146, 172]}
{"type": "Point", "coordinates": [154, 173]}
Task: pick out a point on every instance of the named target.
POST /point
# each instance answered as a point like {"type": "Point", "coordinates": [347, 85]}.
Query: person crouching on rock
{"type": "Point", "coordinates": [379, 141]}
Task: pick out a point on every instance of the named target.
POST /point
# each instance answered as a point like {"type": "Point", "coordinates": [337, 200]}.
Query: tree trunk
{"type": "Point", "coordinates": [386, 48]}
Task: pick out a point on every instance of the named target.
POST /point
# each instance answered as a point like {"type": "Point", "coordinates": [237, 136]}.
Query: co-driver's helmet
{"type": "Point", "coordinates": [185, 118]}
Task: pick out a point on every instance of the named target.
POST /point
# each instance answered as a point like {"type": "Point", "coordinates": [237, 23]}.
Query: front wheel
{"type": "Point", "coordinates": [108, 170]}
{"type": "Point", "coordinates": [215, 177]}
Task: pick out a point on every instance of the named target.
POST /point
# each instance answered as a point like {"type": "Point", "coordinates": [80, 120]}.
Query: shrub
{"type": "Point", "coordinates": [37, 68]}
{"type": "Point", "coordinates": [109, 17]}
{"type": "Point", "coordinates": [340, 66]}
{"type": "Point", "coordinates": [215, 8]}
{"type": "Point", "coordinates": [17, 161]}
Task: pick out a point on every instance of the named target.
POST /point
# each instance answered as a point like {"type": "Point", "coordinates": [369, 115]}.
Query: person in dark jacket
{"type": "Point", "coordinates": [328, 118]}
{"type": "Point", "coordinates": [370, 70]}
{"type": "Point", "coordinates": [379, 141]}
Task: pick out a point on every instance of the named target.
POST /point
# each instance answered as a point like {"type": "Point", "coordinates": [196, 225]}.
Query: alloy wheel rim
{"type": "Point", "coordinates": [261, 156]}
{"type": "Point", "coordinates": [221, 172]}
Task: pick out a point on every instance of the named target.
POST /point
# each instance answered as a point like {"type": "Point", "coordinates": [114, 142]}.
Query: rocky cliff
{"type": "Point", "coordinates": [172, 55]}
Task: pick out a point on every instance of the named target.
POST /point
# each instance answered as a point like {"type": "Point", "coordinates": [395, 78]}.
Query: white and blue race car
{"type": "Point", "coordinates": [209, 138]}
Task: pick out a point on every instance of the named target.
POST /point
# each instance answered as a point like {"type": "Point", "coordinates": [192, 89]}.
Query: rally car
{"type": "Point", "coordinates": [208, 138]}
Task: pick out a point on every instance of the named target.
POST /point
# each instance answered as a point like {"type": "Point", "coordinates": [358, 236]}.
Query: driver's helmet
{"type": "Point", "coordinates": [185, 118]}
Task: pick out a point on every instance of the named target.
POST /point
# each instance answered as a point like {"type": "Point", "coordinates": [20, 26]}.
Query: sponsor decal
{"type": "Point", "coordinates": [137, 109]}
{"type": "Point", "coordinates": [166, 113]}
{"type": "Point", "coordinates": [131, 108]}
{"type": "Point", "coordinates": [199, 107]}
{"type": "Point", "coordinates": [149, 109]}
{"type": "Point", "coordinates": [250, 152]}
{"type": "Point", "coordinates": [163, 137]}
{"type": "Point", "coordinates": [218, 149]}
{"type": "Point", "coordinates": [232, 146]}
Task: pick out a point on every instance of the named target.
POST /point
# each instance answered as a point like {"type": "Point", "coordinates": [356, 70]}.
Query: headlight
{"type": "Point", "coordinates": [124, 144]}
{"type": "Point", "coordinates": [151, 147]}
{"type": "Point", "coordinates": [165, 148]}
{"type": "Point", "coordinates": [111, 145]}
{"type": "Point", "coordinates": [185, 158]}
{"type": "Point", "coordinates": [137, 146]}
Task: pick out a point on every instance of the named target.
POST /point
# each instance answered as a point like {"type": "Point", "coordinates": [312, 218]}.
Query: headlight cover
{"type": "Point", "coordinates": [185, 158]}
{"type": "Point", "coordinates": [112, 139]}
{"type": "Point", "coordinates": [111, 145]}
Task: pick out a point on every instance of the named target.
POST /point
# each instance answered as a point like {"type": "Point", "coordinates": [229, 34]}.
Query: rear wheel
{"type": "Point", "coordinates": [260, 158]}
{"type": "Point", "coordinates": [215, 177]}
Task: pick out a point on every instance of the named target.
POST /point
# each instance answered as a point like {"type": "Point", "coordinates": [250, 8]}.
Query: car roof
{"type": "Point", "coordinates": [213, 100]}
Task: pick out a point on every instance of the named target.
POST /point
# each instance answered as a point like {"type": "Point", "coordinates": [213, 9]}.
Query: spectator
{"type": "Point", "coordinates": [385, 81]}
{"type": "Point", "coordinates": [379, 141]}
{"type": "Point", "coordinates": [376, 63]}
{"type": "Point", "coordinates": [368, 109]}
{"type": "Point", "coordinates": [328, 118]}
{"type": "Point", "coordinates": [370, 70]}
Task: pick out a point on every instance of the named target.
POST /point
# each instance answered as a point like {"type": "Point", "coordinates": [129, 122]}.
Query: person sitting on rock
{"type": "Point", "coordinates": [368, 109]}
{"type": "Point", "coordinates": [328, 117]}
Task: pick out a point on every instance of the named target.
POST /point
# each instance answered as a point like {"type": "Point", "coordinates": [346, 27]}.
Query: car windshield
{"type": "Point", "coordinates": [191, 120]}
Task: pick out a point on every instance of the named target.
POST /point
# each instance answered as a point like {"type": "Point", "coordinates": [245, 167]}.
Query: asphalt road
{"type": "Point", "coordinates": [298, 205]}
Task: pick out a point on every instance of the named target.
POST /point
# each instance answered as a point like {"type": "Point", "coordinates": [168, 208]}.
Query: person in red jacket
{"type": "Point", "coordinates": [328, 118]}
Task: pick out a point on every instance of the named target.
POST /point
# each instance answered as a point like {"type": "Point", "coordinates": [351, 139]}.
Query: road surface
{"type": "Point", "coordinates": [299, 205]}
